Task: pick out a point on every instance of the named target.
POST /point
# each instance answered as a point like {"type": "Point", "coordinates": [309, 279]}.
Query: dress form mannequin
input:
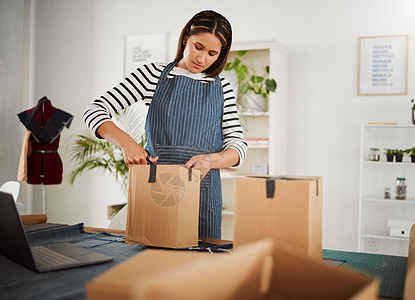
{"type": "Point", "coordinates": [45, 122]}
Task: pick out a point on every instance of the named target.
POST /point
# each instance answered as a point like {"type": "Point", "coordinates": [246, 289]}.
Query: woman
{"type": "Point", "coordinates": [192, 117]}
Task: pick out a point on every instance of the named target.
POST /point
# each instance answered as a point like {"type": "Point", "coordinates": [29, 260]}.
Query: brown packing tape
{"type": "Point", "coordinates": [33, 219]}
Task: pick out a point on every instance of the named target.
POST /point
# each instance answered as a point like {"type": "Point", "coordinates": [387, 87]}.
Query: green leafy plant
{"type": "Point", "coordinates": [90, 153]}
{"type": "Point", "coordinates": [248, 80]}
{"type": "Point", "coordinates": [410, 151]}
{"type": "Point", "coordinates": [399, 152]}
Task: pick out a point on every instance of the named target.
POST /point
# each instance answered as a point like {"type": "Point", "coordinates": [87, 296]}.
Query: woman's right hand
{"type": "Point", "coordinates": [134, 154]}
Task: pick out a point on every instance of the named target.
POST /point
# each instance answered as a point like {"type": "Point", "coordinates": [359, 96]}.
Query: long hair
{"type": "Point", "coordinates": [211, 22]}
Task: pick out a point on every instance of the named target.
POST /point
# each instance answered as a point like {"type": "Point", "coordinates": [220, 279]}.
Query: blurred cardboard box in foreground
{"type": "Point", "coordinates": [409, 291]}
{"type": "Point", "coordinates": [259, 270]}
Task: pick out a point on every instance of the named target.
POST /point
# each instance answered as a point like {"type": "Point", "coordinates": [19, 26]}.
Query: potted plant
{"type": "Point", "coordinates": [90, 153]}
{"type": "Point", "coordinates": [411, 153]}
{"type": "Point", "coordinates": [390, 153]}
{"type": "Point", "coordinates": [399, 155]}
{"type": "Point", "coordinates": [255, 88]}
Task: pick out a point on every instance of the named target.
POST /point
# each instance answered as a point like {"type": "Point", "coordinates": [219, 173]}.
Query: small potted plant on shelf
{"type": "Point", "coordinates": [252, 87]}
{"type": "Point", "coordinates": [390, 153]}
{"type": "Point", "coordinates": [399, 155]}
{"type": "Point", "coordinates": [411, 153]}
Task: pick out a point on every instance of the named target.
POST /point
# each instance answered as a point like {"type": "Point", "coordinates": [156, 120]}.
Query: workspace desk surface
{"type": "Point", "coordinates": [389, 270]}
{"type": "Point", "coordinates": [17, 282]}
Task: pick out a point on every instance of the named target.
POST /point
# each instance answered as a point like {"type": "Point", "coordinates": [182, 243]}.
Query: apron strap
{"type": "Point", "coordinates": [168, 68]}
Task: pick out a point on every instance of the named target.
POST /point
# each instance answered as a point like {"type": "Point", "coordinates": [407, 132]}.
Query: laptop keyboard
{"type": "Point", "coordinates": [44, 257]}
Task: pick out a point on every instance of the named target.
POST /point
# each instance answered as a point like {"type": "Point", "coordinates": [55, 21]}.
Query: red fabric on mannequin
{"type": "Point", "coordinates": [52, 163]}
{"type": "Point", "coordinates": [44, 165]}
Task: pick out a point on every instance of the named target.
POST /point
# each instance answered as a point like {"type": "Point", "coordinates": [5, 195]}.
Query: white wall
{"type": "Point", "coordinates": [79, 55]}
{"type": "Point", "coordinates": [11, 24]}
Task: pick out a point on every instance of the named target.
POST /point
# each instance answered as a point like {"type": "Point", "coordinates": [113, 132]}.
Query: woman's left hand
{"type": "Point", "coordinates": [201, 162]}
{"type": "Point", "coordinates": [206, 162]}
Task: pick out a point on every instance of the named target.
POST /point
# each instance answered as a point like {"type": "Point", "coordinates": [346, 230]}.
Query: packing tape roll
{"type": "Point", "coordinates": [33, 219]}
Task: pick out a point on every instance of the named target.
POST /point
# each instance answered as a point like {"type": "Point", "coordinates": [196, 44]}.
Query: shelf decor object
{"type": "Point", "coordinates": [254, 86]}
{"type": "Point", "coordinates": [383, 65]}
{"type": "Point", "coordinates": [380, 198]}
{"type": "Point", "coordinates": [411, 153]}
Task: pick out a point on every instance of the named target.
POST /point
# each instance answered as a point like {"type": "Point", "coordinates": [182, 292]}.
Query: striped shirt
{"type": "Point", "coordinates": [141, 85]}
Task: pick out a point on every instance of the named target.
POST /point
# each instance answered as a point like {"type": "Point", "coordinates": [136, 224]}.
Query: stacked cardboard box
{"type": "Point", "coordinates": [287, 209]}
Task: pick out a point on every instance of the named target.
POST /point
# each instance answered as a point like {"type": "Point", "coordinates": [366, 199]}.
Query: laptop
{"type": "Point", "coordinates": [49, 257]}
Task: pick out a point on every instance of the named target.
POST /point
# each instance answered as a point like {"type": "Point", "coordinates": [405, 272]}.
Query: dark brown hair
{"type": "Point", "coordinates": [211, 22]}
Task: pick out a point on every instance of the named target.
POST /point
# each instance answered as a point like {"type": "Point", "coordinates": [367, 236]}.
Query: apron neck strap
{"type": "Point", "coordinates": [169, 67]}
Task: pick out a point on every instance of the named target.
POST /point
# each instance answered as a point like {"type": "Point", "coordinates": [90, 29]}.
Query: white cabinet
{"type": "Point", "coordinates": [266, 132]}
{"type": "Point", "coordinates": [376, 213]}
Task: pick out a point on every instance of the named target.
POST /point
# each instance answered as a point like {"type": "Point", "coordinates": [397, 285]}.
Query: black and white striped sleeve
{"type": "Point", "coordinates": [231, 125]}
{"type": "Point", "coordinates": [139, 85]}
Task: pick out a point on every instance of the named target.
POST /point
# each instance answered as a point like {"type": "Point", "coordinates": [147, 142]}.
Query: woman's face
{"type": "Point", "coordinates": [200, 52]}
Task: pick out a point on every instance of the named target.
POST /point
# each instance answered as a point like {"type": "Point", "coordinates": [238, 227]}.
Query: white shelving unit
{"type": "Point", "coordinates": [375, 211]}
{"type": "Point", "coordinates": [270, 125]}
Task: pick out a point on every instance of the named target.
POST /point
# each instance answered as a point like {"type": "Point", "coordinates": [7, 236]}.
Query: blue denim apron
{"type": "Point", "coordinates": [183, 120]}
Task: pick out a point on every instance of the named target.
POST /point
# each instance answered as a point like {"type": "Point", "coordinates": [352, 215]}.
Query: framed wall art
{"type": "Point", "coordinates": [141, 49]}
{"type": "Point", "coordinates": [383, 65]}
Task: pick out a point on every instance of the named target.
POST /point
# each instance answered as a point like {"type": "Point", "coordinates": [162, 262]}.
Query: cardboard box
{"type": "Point", "coordinates": [259, 270]}
{"type": "Point", "coordinates": [400, 231]}
{"type": "Point", "coordinates": [400, 228]}
{"type": "Point", "coordinates": [409, 291]}
{"type": "Point", "coordinates": [168, 274]}
{"type": "Point", "coordinates": [296, 276]}
{"type": "Point", "coordinates": [163, 206]}
{"type": "Point", "coordinates": [287, 209]}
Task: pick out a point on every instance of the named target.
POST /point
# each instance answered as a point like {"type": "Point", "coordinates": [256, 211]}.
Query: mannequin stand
{"type": "Point", "coordinates": [43, 199]}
